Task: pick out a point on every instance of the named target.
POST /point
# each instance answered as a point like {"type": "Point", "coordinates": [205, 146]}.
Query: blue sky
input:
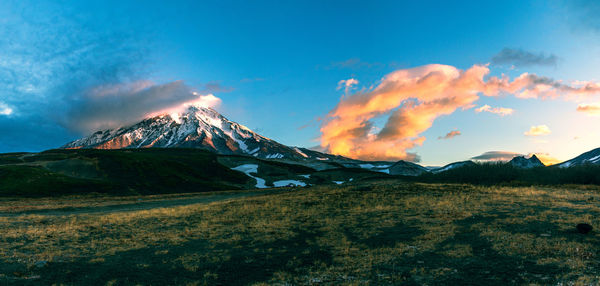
{"type": "Point", "coordinates": [276, 64]}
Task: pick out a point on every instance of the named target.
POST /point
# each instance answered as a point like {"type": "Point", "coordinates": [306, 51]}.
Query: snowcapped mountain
{"type": "Point", "coordinates": [522, 162]}
{"type": "Point", "coordinates": [452, 166]}
{"type": "Point", "coordinates": [590, 157]}
{"type": "Point", "coordinates": [197, 127]}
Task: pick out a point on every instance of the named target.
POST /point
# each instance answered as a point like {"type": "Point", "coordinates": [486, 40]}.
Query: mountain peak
{"type": "Point", "coordinates": [522, 162]}
{"type": "Point", "coordinates": [194, 127]}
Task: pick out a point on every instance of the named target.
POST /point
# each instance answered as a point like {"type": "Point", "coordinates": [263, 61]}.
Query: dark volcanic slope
{"type": "Point", "coordinates": [197, 127]}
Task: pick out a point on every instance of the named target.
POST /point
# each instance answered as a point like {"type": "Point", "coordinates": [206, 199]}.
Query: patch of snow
{"type": "Point", "coordinates": [565, 164]}
{"type": "Point", "coordinates": [305, 176]}
{"type": "Point", "coordinates": [338, 182]}
{"type": "Point", "coordinates": [351, 179]}
{"type": "Point", "coordinates": [251, 168]}
{"type": "Point", "coordinates": [594, 159]}
{"type": "Point", "coordinates": [366, 166]}
{"type": "Point", "coordinates": [300, 152]}
{"type": "Point", "coordinates": [387, 171]}
{"type": "Point", "coordinates": [275, 156]}
{"type": "Point", "coordinates": [322, 159]}
{"type": "Point", "coordinates": [284, 183]}
{"type": "Point", "coordinates": [176, 117]}
{"type": "Point", "coordinates": [254, 151]}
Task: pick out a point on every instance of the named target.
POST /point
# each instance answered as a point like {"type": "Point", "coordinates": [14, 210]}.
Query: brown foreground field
{"type": "Point", "coordinates": [377, 233]}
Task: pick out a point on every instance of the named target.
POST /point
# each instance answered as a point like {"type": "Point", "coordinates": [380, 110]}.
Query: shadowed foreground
{"type": "Point", "coordinates": [370, 233]}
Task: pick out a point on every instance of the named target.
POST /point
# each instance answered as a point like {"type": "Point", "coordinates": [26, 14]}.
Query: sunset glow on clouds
{"type": "Point", "coordinates": [113, 106]}
{"type": "Point", "coordinates": [538, 130]}
{"type": "Point", "coordinates": [450, 135]}
{"type": "Point", "coordinates": [496, 110]}
{"type": "Point", "coordinates": [346, 84]}
{"type": "Point", "coordinates": [414, 98]}
{"type": "Point", "coordinates": [592, 109]}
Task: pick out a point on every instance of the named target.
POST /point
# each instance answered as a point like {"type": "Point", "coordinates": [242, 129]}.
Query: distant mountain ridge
{"type": "Point", "coordinates": [590, 157]}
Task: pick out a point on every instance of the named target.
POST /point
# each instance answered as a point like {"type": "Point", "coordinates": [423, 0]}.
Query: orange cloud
{"type": "Point", "coordinates": [592, 109]}
{"type": "Point", "coordinates": [413, 99]}
{"type": "Point", "coordinates": [538, 130]}
{"type": "Point", "coordinates": [496, 110]}
{"type": "Point", "coordinates": [450, 135]}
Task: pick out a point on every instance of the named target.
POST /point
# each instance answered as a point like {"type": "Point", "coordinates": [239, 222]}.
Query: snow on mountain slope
{"type": "Point", "coordinates": [407, 169]}
{"type": "Point", "coordinates": [197, 127]}
{"type": "Point", "coordinates": [452, 166]}
{"type": "Point", "coordinates": [590, 157]}
{"type": "Point", "coordinates": [522, 162]}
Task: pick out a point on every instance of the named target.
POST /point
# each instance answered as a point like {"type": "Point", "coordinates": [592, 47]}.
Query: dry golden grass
{"type": "Point", "coordinates": [376, 233]}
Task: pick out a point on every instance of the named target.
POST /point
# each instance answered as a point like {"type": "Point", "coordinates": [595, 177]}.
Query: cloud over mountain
{"type": "Point", "coordinates": [115, 105]}
{"type": "Point", "coordinates": [496, 156]}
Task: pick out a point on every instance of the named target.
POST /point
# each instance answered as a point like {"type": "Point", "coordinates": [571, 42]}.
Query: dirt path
{"type": "Point", "coordinates": [139, 205]}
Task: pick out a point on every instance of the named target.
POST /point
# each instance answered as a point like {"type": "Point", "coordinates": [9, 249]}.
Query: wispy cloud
{"type": "Point", "coordinates": [538, 130]}
{"type": "Point", "coordinates": [353, 63]}
{"type": "Point", "coordinates": [522, 58]}
{"type": "Point", "coordinates": [346, 84]}
{"type": "Point", "coordinates": [49, 57]}
{"type": "Point", "coordinates": [5, 109]}
{"type": "Point", "coordinates": [412, 99]}
{"type": "Point", "coordinates": [592, 109]}
{"type": "Point", "coordinates": [496, 156]}
{"type": "Point", "coordinates": [216, 86]}
{"type": "Point", "coordinates": [496, 110]}
{"type": "Point", "coordinates": [450, 135]}
{"type": "Point", "coordinates": [583, 14]}
{"type": "Point", "coordinates": [254, 79]}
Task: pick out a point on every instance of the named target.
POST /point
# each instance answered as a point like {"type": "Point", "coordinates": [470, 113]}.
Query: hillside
{"type": "Point", "coordinates": [152, 171]}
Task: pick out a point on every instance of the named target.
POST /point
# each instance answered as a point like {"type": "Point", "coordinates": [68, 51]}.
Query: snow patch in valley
{"type": "Point", "coordinates": [322, 159]}
{"type": "Point", "coordinates": [305, 176]}
{"type": "Point", "coordinates": [251, 168]}
{"type": "Point", "coordinates": [285, 183]}
{"type": "Point", "coordinates": [366, 166]}
{"type": "Point", "coordinates": [339, 182]}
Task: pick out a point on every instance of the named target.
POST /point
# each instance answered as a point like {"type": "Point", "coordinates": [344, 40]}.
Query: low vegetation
{"type": "Point", "coordinates": [149, 171]}
{"type": "Point", "coordinates": [123, 172]}
{"type": "Point", "coordinates": [506, 174]}
{"type": "Point", "coordinates": [381, 232]}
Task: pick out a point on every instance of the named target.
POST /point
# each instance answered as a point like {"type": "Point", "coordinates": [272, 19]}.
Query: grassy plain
{"type": "Point", "coordinates": [367, 233]}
